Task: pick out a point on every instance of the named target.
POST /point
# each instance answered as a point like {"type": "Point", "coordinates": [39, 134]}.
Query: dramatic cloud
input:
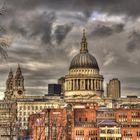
{"type": "Point", "coordinates": [61, 32]}
{"type": "Point", "coordinates": [46, 35]}
{"type": "Point", "coordinates": [134, 41]}
{"type": "Point", "coordinates": [39, 25]}
{"type": "Point", "coordinates": [127, 7]}
{"type": "Point", "coordinates": [105, 31]}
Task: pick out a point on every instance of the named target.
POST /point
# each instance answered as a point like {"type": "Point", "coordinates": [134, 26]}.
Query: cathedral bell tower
{"type": "Point", "coordinates": [18, 83]}
{"type": "Point", "coordinates": [9, 85]}
{"type": "Point", "coordinates": [15, 85]}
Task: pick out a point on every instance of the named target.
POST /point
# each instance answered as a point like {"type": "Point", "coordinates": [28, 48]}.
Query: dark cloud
{"type": "Point", "coordinates": [43, 26]}
{"type": "Point", "coordinates": [134, 41]}
{"type": "Point", "coordinates": [105, 31]}
{"type": "Point", "coordinates": [37, 26]}
{"type": "Point", "coordinates": [102, 30]}
{"type": "Point", "coordinates": [128, 7]}
{"type": "Point", "coordinates": [18, 28]}
{"type": "Point", "coordinates": [40, 26]}
{"type": "Point", "coordinates": [118, 27]}
{"type": "Point", "coordinates": [61, 32]}
{"type": "Point", "coordinates": [2, 31]}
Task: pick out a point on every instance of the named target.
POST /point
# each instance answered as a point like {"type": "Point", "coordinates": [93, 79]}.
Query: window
{"type": "Point", "coordinates": [20, 108]}
{"type": "Point", "coordinates": [24, 107]}
{"type": "Point", "coordinates": [138, 133]}
{"type": "Point", "coordinates": [40, 107]}
{"type": "Point", "coordinates": [36, 108]}
{"type": "Point", "coordinates": [28, 107]}
{"type": "Point", "coordinates": [32, 107]}
{"type": "Point", "coordinates": [127, 133]}
{"type": "Point", "coordinates": [80, 132]}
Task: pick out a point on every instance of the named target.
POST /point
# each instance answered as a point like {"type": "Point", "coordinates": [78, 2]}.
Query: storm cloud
{"type": "Point", "coordinates": [46, 35]}
{"type": "Point", "coordinates": [134, 41]}
{"type": "Point", "coordinates": [105, 31]}
{"type": "Point", "coordinates": [61, 32]}
{"type": "Point", "coordinates": [109, 6]}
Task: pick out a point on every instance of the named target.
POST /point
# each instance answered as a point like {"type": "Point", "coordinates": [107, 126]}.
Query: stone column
{"type": "Point", "coordinates": [73, 84]}
{"type": "Point", "coordinates": [88, 84]}
{"type": "Point", "coordinates": [100, 84]}
{"type": "Point", "coordinates": [66, 85]}
{"type": "Point", "coordinates": [91, 84]}
{"type": "Point", "coordinates": [82, 84]}
{"type": "Point", "coordinates": [95, 85]}
{"type": "Point", "coordinates": [77, 86]}
{"type": "Point", "coordinates": [70, 84]}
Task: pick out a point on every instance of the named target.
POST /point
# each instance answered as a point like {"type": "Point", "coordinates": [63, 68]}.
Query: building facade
{"type": "Point", "coordinates": [87, 123]}
{"type": "Point", "coordinates": [114, 88]}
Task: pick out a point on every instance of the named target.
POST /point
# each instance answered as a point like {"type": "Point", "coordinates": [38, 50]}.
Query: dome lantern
{"type": "Point", "coordinates": [84, 43]}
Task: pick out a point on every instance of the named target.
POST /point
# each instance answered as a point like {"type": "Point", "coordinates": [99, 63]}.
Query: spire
{"type": "Point", "coordinates": [18, 72]}
{"type": "Point", "coordinates": [18, 69]}
{"type": "Point", "coordinates": [84, 43]}
{"type": "Point", "coordinates": [10, 73]}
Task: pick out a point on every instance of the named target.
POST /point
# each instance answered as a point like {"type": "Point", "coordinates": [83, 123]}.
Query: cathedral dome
{"type": "Point", "coordinates": [84, 59]}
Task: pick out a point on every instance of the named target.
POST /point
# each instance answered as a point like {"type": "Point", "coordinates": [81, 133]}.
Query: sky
{"type": "Point", "coordinates": [45, 35]}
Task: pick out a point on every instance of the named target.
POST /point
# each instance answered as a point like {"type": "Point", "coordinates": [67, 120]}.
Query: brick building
{"type": "Point", "coordinates": [129, 119]}
{"type": "Point", "coordinates": [86, 123]}
{"type": "Point", "coordinates": [51, 123]}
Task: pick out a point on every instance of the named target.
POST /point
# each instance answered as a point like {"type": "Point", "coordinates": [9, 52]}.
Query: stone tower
{"type": "Point", "coordinates": [9, 85]}
{"type": "Point", "coordinates": [19, 83]}
{"type": "Point", "coordinates": [15, 85]}
{"type": "Point", "coordinates": [114, 88]}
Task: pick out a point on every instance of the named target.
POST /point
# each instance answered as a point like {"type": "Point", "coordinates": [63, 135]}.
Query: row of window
{"type": "Point", "coordinates": [93, 132]}
{"type": "Point", "coordinates": [25, 113]}
{"type": "Point", "coordinates": [107, 114]}
{"type": "Point", "coordinates": [111, 131]}
{"type": "Point", "coordinates": [112, 138]}
{"type": "Point", "coordinates": [135, 114]}
{"type": "Point", "coordinates": [123, 120]}
{"type": "Point", "coordinates": [81, 138]}
{"type": "Point", "coordinates": [35, 107]}
{"type": "Point", "coordinates": [130, 133]}
{"type": "Point", "coordinates": [31, 107]}
{"type": "Point", "coordinates": [80, 132]}
{"type": "Point", "coordinates": [84, 71]}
